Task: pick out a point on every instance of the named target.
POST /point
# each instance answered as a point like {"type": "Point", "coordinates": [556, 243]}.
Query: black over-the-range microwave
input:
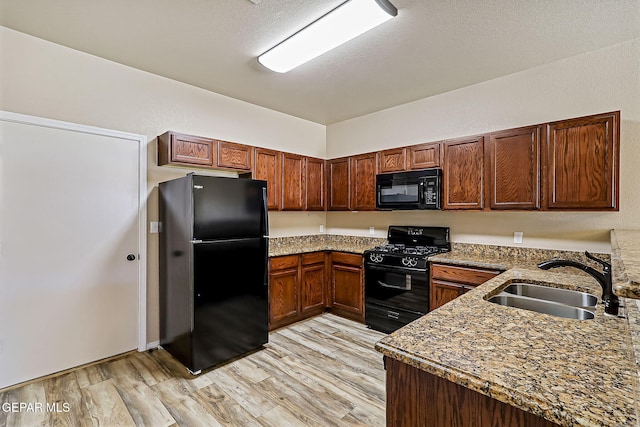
{"type": "Point", "coordinates": [419, 189]}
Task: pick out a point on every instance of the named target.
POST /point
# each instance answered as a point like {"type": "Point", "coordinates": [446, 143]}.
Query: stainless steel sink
{"type": "Point", "coordinates": [562, 296]}
{"type": "Point", "coordinates": [542, 306]}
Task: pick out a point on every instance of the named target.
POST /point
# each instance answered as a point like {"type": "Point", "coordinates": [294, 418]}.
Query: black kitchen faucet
{"type": "Point", "coordinates": [611, 301]}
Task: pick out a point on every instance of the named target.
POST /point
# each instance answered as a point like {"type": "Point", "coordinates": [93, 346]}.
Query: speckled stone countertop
{"type": "Point", "coordinates": [506, 257]}
{"type": "Point", "coordinates": [321, 242]}
{"type": "Point", "coordinates": [571, 372]}
{"type": "Point", "coordinates": [625, 260]}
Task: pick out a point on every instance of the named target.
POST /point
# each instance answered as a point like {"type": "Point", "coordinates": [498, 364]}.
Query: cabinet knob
{"type": "Point", "coordinates": [131, 257]}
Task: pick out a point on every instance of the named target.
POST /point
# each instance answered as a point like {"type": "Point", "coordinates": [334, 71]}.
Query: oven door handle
{"type": "Point", "coordinates": [407, 270]}
{"type": "Point", "coordinates": [386, 285]}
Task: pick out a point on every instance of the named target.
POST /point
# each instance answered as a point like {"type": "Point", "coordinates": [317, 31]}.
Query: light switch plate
{"type": "Point", "coordinates": [321, 228]}
{"type": "Point", "coordinates": [154, 227]}
{"type": "Point", "coordinates": [372, 231]}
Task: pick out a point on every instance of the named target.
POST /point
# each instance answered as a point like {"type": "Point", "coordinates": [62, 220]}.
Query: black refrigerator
{"type": "Point", "coordinates": [213, 268]}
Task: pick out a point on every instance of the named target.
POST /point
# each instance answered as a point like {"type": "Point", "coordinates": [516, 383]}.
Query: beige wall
{"type": "Point", "coordinates": [599, 81]}
{"type": "Point", "coordinates": [47, 80]}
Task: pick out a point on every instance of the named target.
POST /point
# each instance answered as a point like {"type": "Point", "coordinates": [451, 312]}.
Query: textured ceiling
{"type": "Point", "coordinates": [431, 47]}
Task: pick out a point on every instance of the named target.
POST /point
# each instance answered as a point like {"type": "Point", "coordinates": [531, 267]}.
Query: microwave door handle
{"type": "Point", "coordinates": [421, 193]}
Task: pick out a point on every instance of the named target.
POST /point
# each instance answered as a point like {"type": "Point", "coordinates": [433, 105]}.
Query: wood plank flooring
{"type": "Point", "coordinates": [319, 372]}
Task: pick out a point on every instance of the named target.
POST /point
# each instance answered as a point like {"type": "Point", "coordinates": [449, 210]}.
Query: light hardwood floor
{"type": "Point", "coordinates": [318, 372]}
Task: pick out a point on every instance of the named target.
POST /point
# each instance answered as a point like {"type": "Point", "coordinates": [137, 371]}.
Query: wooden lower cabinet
{"type": "Point", "coordinates": [297, 287]}
{"type": "Point", "coordinates": [284, 290]}
{"type": "Point", "coordinates": [313, 283]}
{"type": "Point", "coordinates": [448, 282]}
{"type": "Point", "coordinates": [305, 285]}
{"type": "Point", "coordinates": [418, 398]}
{"type": "Point", "coordinates": [347, 285]}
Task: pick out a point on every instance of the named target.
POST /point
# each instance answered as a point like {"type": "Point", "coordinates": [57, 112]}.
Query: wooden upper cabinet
{"type": "Point", "coordinates": [338, 184]}
{"type": "Point", "coordinates": [463, 173]}
{"type": "Point", "coordinates": [234, 156]}
{"type": "Point", "coordinates": [363, 182]}
{"type": "Point", "coordinates": [176, 148]}
{"type": "Point", "coordinates": [514, 168]}
{"type": "Point", "coordinates": [582, 166]}
{"type": "Point", "coordinates": [392, 160]}
{"type": "Point", "coordinates": [293, 179]}
{"type": "Point", "coordinates": [316, 182]}
{"type": "Point", "coordinates": [268, 167]}
{"type": "Point", "coordinates": [424, 156]}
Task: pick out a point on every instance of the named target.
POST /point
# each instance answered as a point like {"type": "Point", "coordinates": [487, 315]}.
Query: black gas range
{"type": "Point", "coordinates": [397, 275]}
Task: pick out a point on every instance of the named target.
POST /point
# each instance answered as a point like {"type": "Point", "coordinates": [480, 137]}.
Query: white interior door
{"type": "Point", "coordinates": [70, 214]}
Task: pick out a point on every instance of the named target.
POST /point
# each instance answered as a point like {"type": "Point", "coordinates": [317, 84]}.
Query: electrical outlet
{"type": "Point", "coordinates": [372, 231]}
{"type": "Point", "coordinates": [517, 236]}
{"type": "Point", "coordinates": [321, 228]}
{"type": "Point", "coordinates": [154, 227]}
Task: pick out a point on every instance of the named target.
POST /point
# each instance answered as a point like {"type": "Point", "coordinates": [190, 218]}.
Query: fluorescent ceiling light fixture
{"type": "Point", "coordinates": [342, 24]}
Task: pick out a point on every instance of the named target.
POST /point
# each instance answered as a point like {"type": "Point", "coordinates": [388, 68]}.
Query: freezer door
{"type": "Point", "coordinates": [227, 208]}
{"type": "Point", "coordinates": [230, 301]}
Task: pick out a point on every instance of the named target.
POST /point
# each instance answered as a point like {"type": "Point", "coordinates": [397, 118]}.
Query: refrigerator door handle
{"type": "Point", "coordinates": [265, 211]}
{"type": "Point", "coordinates": [265, 235]}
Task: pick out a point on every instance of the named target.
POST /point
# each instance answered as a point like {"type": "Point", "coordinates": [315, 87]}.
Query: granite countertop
{"type": "Point", "coordinates": [625, 260]}
{"type": "Point", "coordinates": [279, 246]}
{"type": "Point", "coordinates": [507, 257]}
{"type": "Point", "coordinates": [568, 371]}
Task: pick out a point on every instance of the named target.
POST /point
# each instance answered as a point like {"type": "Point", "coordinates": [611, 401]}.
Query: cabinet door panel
{"type": "Point", "coordinates": [582, 166]}
{"type": "Point", "coordinates": [424, 156]}
{"type": "Point", "coordinates": [392, 160]}
{"type": "Point", "coordinates": [514, 168]}
{"type": "Point", "coordinates": [443, 292]}
{"type": "Point", "coordinates": [463, 181]}
{"type": "Point", "coordinates": [338, 187]}
{"type": "Point", "coordinates": [293, 178]}
{"type": "Point", "coordinates": [267, 167]}
{"type": "Point", "coordinates": [363, 184]}
{"type": "Point", "coordinates": [185, 149]}
{"type": "Point", "coordinates": [347, 285]}
{"type": "Point", "coordinates": [347, 288]}
{"type": "Point", "coordinates": [283, 297]}
{"type": "Point", "coordinates": [315, 184]}
{"type": "Point", "coordinates": [312, 289]}
{"type": "Point", "coordinates": [234, 156]}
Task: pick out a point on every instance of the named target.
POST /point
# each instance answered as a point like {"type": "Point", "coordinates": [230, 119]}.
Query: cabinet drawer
{"type": "Point", "coordinates": [468, 275]}
{"type": "Point", "coordinates": [313, 258]}
{"type": "Point", "coordinates": [284, 262]}
{"type": "Point", "coordinates": [346, 258]}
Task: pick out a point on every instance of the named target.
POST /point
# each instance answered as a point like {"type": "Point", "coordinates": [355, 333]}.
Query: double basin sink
{"type": "Point", "coordinates": [543, 299]}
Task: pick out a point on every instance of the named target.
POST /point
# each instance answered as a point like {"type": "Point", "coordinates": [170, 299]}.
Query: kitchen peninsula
{"type": "Point", "coordinates": [516, 366]}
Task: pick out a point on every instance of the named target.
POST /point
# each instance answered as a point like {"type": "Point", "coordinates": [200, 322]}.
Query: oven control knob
{"type": "Point", "coordinates": [375, 257]}
{"type": "Point", "coordinates": [409, 262]}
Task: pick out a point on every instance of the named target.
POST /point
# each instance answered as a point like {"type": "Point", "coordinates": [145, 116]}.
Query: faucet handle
{"type": "Point", "coordinates": [604, 263]}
